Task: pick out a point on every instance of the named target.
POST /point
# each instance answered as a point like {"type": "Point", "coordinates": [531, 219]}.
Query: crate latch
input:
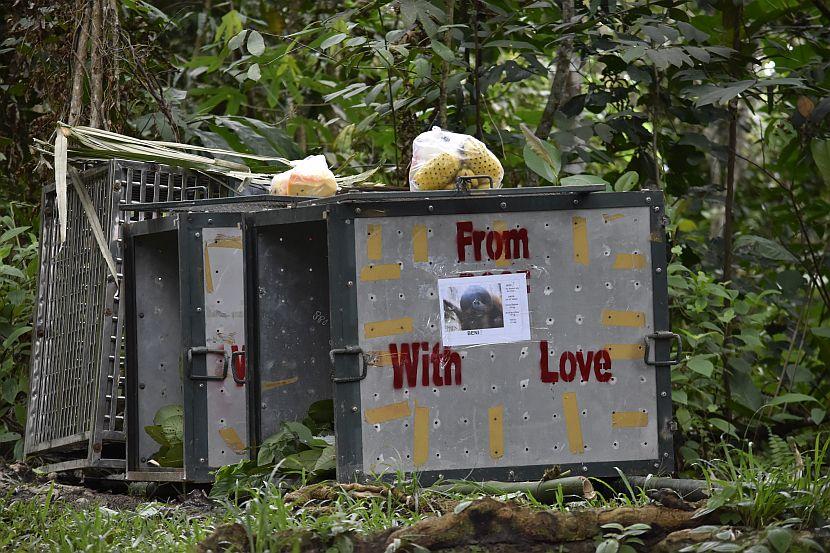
{"type": "Point", "coordinates": [204, 350]}
{"type": "Point", "coordinates": [663, 335]}
{"type": "Point", "coordinates": [348, 350]}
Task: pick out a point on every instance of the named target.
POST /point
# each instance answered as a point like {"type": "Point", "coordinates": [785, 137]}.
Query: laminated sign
{"type": "Point", "coordinates": [490, 336]}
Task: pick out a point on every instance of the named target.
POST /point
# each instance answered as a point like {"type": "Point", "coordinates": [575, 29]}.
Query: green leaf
{"type": "Point", "coordinates": [581, 180]}
{"type": "Point", "coordinates": [255, 44]}
{"type": "Point", "coordinates": [792, 398]}
{"type": "Point", "coordinates": [327, 460]}
{"type": "Point", "coordinates": [548, 153]}
{"type": "Point", "coordinates": [442, 50]}
{"type": "Point", "coordinates": [780, 539]}
{"type": "Point", "coordinates": [627, 181]}
{"type": "Point", "coordinates": [333, 40]}
{"type": "Point", "coordinates": [254, 73]}
{"type": "Point", "coordinates": [817, 415]}
{"type": "Point", "coordinates": [11, 233]}
{"type": "Point", "coordinates": [237, 40]}
{"type": "Point", "coordinates": [11, 271]}
{"type": "Point", "coordinates": [9, 437]}
{"type": "Point", "coordinates": [17, 333]}
{"type": "Point", "coordinates": [723, 426]}
{"type": "Point", "coordinates": [821, 331]}
{"type": "Point", "coordinates": [608, 546]}
{"type": "Point", "coordinates": [538, 165]}
{"type": "Point", "coordinates": [701, 365]}
{"type": "Point", "coordinates": [821, 155]}
{"type": "Point", "coordinates": [764, 247]}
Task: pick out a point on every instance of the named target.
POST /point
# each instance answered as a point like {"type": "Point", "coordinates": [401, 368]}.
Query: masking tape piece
{"type": "Point", "coordinates": [387, 271]}
{"type": "Point", "coordinates": [611, 317]}
{"type": "Point", "coordinates": [502, 261]}
{"type": "Point", "coordinates": [230, 437]}
{"type": "Point", "coordinates": [580, 239]}
{"type": "Point", "coordinates": [420, 436]}
{"type": "Point", "coordinates": [629, 261]}
{"type": "Point", "coordinates": [234, 242]}
{"type": "Point", "coordinates": [208, 272]}
{"type": "Point", "coordinates": [624, 351]}
{"type": "Point", "coordinates": [380, 358]}
{"type": "Point", "coordinates": [388, 328]}
{"type": "Point", "coordinates": [420, 245]}
{"type": "Point", "coordinates": [629, 419]}
{"type": "Point", "coordinates": [273, 384]}
{"type": "Point", "coordinates": [572, 424]}
{"type": "Point", "coordinates": [374, 242]}
{"type": "Point", "coordinates": [495, 415]}
{"type": "Point", "coordinates": [386, 413]}
{"type": "Point", "coordinates": [609, 217]}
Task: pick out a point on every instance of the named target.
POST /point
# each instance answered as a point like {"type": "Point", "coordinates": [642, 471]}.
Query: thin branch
{"type": "Point", "coordinates": [445, 69]}
{"type": "Point", "coordinates": [79, 68]}
{"type": "Point", "coordinates": [560, 78]}
{"type": "Point", "coordinates": [96, 76]}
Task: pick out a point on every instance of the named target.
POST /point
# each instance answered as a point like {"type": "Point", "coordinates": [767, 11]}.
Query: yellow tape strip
{"type": "Point", "coordinates": [629, 419]}
{"type": "Point", "coordinates": [580, 239]}
{"type": "Point", "coordinates": [495, 416]}
{"type": "Point", "coordinates": [374, 242]}
{"type": "Point", "coordinates": [624, 351]}
{"type": "Point", "coordinates": [386, 413]}
{"type": "Point", "coordinates": [234, 242]}
{"type": "Point", "coordinates": [230, 437]}
{"type": "Point", "coordinates": [629, 261]}
{"type": "Point", "coordinates": [273, 384]}
{"type": "Point", "coordinates": [502, 261]}
{"type": "Point", "coordinates": [208, 272]}
{"type": "Point", "coordinates": [420, 436]}
{"type": "Point", "coordinates": [387, 271]}
{"type": "Point", "coordinates": [612, 216]}
{"type": "Point", "coordinates": [572, 424]}
{"type": "Point", "coordinates": [420, 244]}
{"type": "Point", "coordinates": [388, 328]}
{"type": "Point", "coordinates": [611, 317]}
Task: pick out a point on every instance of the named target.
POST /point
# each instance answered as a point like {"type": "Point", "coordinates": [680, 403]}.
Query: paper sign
{"type": "Point", "coordinates": [484, 309]}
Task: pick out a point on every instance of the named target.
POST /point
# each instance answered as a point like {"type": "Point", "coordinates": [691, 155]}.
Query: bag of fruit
{"type": "Point", "coordinates": [307, 177]}
{"type": "Point", "coordinates": [439, 157]}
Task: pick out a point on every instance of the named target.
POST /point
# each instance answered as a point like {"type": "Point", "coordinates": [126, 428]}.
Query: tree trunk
{"type": "Point", "coordinates": [96, 76]}
{"type": "Point", "coordinates": [559, 83]}
{"type": "Point", "coordinates": [79, 68]}
{"type": "Point", "coordinates": [445, 69]}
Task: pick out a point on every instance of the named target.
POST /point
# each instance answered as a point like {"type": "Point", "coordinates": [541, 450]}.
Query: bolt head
{"type": "Point", "coordinates": [202, 460]}
{"type": "Point", "coordinates": [201, 384]}
{"type": "Point", "coordinates": [198, 310]}
{"type": "Point", "coordinates": [584, 468]}
{"type": "Point", "coordinates": [663, 394]}
{"type": "Point", "coordinates": [431, 209]}
{"type": "Point", "coordinates": [659, 270]}
{"type": "Point", "coordinates": [350, 283]}
{"type": "Point", "coordinates": [657, 465]}
{"type": "Point", "coordinates": [648, 199]}
{"type": "Point", "coordinates": [666, 455]}
{"type": "Point", "coordinates": [656, 209]}
{"type": "Point", "coordinates": [354, 408]}
{"type": "Point", "coordinates": [576, 202]}
{"type": "Point", "coordinates": [197, 235]}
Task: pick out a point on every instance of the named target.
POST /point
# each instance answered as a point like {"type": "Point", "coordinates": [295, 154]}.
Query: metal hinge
{"type": "Point", "coordinates": [663, 335]}
{"type": "Point", "coordinates": [349, 350]}
{"type": "Point", "coordinates": [204, 350]}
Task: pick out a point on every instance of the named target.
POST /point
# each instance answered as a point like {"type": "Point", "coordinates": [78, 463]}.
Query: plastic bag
{"type": "Point", "coordinates": [308, 177]}
{"type": "Point", "coordinates": [439, 157]}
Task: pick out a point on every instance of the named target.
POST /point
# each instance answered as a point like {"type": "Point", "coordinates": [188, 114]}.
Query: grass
{"type": "Point", "coordinates": [755, 491]}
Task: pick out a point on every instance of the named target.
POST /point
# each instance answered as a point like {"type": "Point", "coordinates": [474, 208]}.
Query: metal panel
{"type": "Point", "coordinates": [290, 345]}
{"type": "Point", "coordinates": [155, 373]}
{"type": "Point", "coordinates": [501, 388]}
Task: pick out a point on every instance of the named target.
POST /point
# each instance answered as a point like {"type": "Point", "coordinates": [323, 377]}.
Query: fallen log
{"type": "Point", "coordinates": [544, 492]}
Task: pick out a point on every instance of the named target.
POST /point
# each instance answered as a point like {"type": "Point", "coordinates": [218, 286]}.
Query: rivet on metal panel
{"type": "Point", "coordinates": [584, 468]}
{"type": "Point", "coordinates": [354, 408]}
{"type": "Point", "coordinates": [503, 205]}
{"type": "Point", "coordinates": [350, 283]}
{"type": "Point", "coordinates": [659, 270]}
{"type": "Point", "coordinates": [656, 209]}
{"type": "Point", "coordinates": [201, 385]}
{"type": "Point", "coordinates": [357, 210]}
{"type": "Point", "coordinates": [202, 460]}
{"type": "Point", "coordinates": [197, 235]}
{"type": "Point", "coordinates": [657, 465]}
{"type": "Point", "coordinates": [210, 221]}
{"type": "Point", "coordinates": [511, 475]}
{"type": "Point", "coordinates": [348, 221]}
{"type": "Point", "coordinates": [666, 454]}
{"type": "Point", "coordinates": [430, 209]}
{"type": "Point", "coordinates": [576, 202]}
{"type": "Point", "coordinates": [648, 199]}
{"type": "Point", "coordinates": [663, 394]}
{"type": "Point", "coordinates": [198, 310]}
{"type": "Point", "coordinates": [141, 386]}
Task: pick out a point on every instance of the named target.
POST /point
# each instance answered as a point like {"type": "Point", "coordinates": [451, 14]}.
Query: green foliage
{"type": "Point", "coordinates": [168, 431]}
{"type": "Point", "coordinates": [18, 272]}
{"type": "Point", "coordinates": [619, 539]}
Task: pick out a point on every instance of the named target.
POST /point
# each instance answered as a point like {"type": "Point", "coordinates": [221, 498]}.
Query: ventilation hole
{"type": "Point", "coordinates": [584, 412]}
{"type": "Point", "coordinates": [406, 425]}
{"type": "Point", "coordinates": [466, 452]}
{"type": "Point", "coordinates": [377, 427]}
{"type": "Point", "coordinates": [400, 296]}
{"type": "Point", "coordinates": [642, 378]}
{"type": "Point", "coordinates": [609, 285]}
{"type": "Point", "coordinates": [494, 388]}
{"type": "Point", "coordinates": [463, 388]}
{"type": "Point", "coordinates": [492, 355]}
{"type": "Point", "coordinates": [527, 449]}
{"type": "Point", "coordinates": [400, 232]}
{"type": "Point", "coordinates": [578, 288]}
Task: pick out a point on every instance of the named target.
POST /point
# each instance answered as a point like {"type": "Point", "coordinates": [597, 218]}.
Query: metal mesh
{"type": "Point", "coordinates": [76, 400]}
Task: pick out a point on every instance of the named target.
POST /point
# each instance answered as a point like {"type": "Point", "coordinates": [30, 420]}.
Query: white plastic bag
{"type": "Point", "coordinates": [307, 177]}
{"type": "Point", "coordinates": [439, 157]}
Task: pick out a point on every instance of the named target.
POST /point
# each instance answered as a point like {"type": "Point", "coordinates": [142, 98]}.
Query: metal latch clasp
{"type": "Point", "coordinates": [349, 350]}
{"type": "Point", "coordinates": [663, 335]}
{"type": "Point", "coordinates": [204, 350]}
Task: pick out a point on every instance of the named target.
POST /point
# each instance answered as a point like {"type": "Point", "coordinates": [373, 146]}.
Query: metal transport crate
{"type": "Point", "coordinates": [490, 335]}
{"type": "Point", "coordinates": [76, 400]}
{"type": "Point", "coordinates": [185, 336]}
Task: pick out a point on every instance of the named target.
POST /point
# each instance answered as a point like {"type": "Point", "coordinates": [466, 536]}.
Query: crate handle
{"type": "Point", "coordinates": [204, 350]}
{"type": "Point", "coordinates": [663, 335]}
{"type": "Point", "coordinates": [348, 350]}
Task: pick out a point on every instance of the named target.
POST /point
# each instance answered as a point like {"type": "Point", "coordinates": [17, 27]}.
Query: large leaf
{"type": "Point", "coordinates": [791, 398]}
{"type": "Point", "coordinates": [627, 181]}
{"type": "Point", "coordinates": [701, 365]}
{"type": "Point", "coordinates": [548, 153]}
{"type": "Point", "coordinates": [764, 247]}
{"type": "Point", "coordinates": [821, 155]}
{"type": "Point", "coordinates": [538, 165]}
{"type": "Point", "coordinates": [255, 44]}
{"type": "Point", "coordinates": [582, 180]}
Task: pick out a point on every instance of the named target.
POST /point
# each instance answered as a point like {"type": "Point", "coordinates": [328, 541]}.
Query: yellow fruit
{"type": "Point", "coordinates": [474, 183]}
{"type": "Point", "coordinates": [481, 161]}
{"type": "Point", "coordinates": [437, 172]}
